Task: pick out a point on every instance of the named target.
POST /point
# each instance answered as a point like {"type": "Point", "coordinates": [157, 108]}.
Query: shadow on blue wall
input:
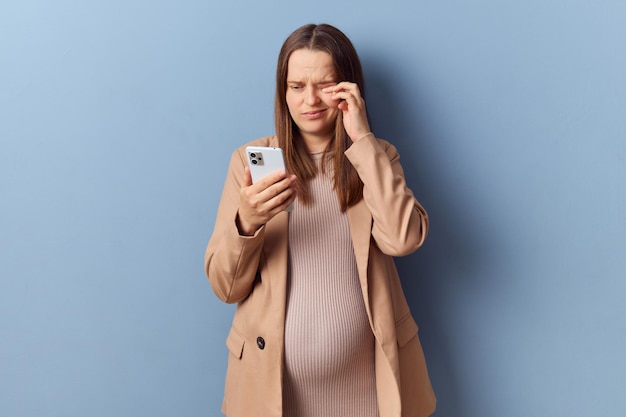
{"type": "Point", "coordinates": [452, 250]}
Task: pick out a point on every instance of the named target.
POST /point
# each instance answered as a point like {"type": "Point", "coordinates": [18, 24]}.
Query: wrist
{"type": "Point", "coordinates": [245, 228]}
{"type": "Point", "coordinates": [362, 135]}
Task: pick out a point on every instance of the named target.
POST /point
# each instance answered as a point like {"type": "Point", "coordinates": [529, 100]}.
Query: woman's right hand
{"type": "Point", "coordinates": [260, 202]}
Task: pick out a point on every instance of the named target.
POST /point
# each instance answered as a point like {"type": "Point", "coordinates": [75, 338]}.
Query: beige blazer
{"type": "Point", "coordinates": [252, 272]}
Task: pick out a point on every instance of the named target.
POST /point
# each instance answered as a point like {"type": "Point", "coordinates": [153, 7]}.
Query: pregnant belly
{"type": "Point", "coordinates": [326, 340]}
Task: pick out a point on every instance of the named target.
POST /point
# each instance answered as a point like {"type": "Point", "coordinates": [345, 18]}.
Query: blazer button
{"type": "Point", "coordinates": [260, 342]}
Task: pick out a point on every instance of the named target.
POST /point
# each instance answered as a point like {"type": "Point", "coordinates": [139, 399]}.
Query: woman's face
{"type": "Point", "coordinates": [313, 111]}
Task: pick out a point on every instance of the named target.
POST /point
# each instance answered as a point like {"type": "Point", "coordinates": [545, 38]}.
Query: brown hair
{"type": "Point", "coordinates": [325, 38]}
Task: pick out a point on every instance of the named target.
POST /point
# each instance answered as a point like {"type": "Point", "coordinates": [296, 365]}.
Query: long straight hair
{"type": "Point", "coordinates": [346, 181]}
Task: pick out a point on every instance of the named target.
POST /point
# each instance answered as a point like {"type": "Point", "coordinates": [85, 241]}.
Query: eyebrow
{"type": "Point", "coordinates": [329, 81]}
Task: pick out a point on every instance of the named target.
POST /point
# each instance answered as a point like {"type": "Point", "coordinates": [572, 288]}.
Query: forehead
{"type": "Point", "coordinates": [307, 63]}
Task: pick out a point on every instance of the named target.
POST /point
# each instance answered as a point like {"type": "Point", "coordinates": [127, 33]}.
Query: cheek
{"type": "Point", "coordinates": [333, 104]}
{"type": "Point", "coordinates": [330, 102]}
{"type": "Point", "coordinates": [290, 104]}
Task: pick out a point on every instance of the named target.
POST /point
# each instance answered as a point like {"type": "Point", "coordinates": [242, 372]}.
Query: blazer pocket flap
{"type": "Point", "coordinates": [406, 329]}
{"type": "Point", "coordinates": [235, 343]}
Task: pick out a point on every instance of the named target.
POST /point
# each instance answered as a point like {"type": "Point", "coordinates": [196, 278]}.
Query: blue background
{"type": "Point", "coordinates": [117, 120]}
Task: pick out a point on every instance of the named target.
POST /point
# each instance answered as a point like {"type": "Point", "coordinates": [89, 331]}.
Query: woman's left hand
{"type": "Point", "coordinates": [353, 107]}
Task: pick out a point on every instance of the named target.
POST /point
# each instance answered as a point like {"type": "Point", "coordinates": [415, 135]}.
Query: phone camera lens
{"type": "Point", "coordinates": [254, 161]}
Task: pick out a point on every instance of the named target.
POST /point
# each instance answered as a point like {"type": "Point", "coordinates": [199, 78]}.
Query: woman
{"type": "Point", "coordinates": [322, 327]}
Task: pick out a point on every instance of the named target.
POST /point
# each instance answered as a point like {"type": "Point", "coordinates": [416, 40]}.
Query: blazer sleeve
{"type": "Point", "coordinates": [400, 223]}
{"type": "Point", "coordinates": [231, 260]}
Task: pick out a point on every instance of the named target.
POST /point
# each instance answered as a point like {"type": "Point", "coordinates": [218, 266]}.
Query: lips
{"type": "Point", "coordinates": [314, 114]}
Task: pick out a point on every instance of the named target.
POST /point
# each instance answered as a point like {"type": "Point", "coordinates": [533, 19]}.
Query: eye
{"type": "Point", "coordinates": [295, 87]}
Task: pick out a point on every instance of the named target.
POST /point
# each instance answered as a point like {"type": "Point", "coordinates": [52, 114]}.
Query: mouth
{"type": "Point", "coordinates": [314, 114]}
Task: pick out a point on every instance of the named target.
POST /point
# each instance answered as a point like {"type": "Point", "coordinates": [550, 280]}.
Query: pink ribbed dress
{"type": "Point", "coordinates": [329, 345]}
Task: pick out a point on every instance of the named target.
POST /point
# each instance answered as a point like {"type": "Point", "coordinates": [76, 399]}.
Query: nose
{"type": "Point", "coordinates": [312, 96]}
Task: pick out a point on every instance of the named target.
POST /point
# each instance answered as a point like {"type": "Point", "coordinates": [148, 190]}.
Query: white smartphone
{"type": "Point", "coordinates": [264, 160]}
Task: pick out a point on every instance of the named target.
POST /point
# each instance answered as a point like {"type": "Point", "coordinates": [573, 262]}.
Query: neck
{"type": "Point", "coordinates": [316, 143]}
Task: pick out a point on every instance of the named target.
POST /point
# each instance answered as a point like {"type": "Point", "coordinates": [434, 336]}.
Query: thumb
{"type": "Point", "coordinates": [247, 177]}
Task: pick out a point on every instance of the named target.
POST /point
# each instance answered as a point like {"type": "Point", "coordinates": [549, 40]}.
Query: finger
{"type": "Point", "coordinates": [344, 94]}
{"type": "Point", "coordinates": [348, 101]}
{"type": "Point", "coordinates": [278, 188]}
{"type": "Point", "coordinates": [269, 180]}
{"type": "Point", "coordinates": [288, 203]}
{"type": "Point", "coordinates": [345, 86]}
{"type": "Point", "coordinates": [282, 200]}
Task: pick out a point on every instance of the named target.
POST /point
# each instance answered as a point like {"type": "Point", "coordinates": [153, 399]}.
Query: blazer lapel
{"type": "Point", "coordinates": [360, 221]}
{"type": "Point", "coordinates": [275, 248]}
